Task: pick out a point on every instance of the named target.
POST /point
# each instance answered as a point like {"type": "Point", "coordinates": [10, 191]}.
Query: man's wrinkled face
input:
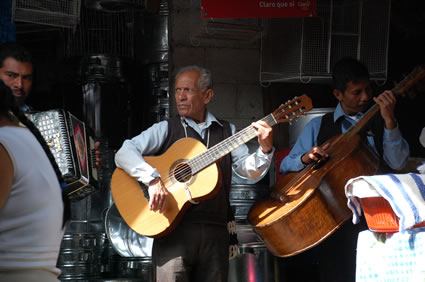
{"type": "Point", "coordinates": [18, 76]}
{"type": "Point", "coordinates": [190, 99]}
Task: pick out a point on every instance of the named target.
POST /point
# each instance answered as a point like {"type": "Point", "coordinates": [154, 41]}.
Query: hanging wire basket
{"type": "Point", "coordinates": [60, 13]}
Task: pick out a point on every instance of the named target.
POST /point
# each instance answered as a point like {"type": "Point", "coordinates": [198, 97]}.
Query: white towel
{"type": "Point", "coordinates": [404, 192]}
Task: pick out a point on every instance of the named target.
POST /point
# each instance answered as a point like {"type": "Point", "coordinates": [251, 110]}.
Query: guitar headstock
{"type": "Point", "coordinates": [411, 82]}
{"type": "Point", "coordinates": [292, 109]}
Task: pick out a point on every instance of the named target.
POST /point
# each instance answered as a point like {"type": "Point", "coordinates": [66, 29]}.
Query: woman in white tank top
{"type": "Point", "coordinates": [31, 206]}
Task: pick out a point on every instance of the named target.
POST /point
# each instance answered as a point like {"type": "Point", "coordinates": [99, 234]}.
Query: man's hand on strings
{"type": "Point", "coordinates": [315, 154]}
{"type": "Point", "coordinates": [386, 101]}
{"type": "Point", "coordinates": [264, 133]}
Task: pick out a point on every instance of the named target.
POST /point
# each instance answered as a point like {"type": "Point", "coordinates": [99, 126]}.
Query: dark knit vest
{"type": "Point", "coordinates": [215, 209]}
{"type": "Point", "coordinates": [329, 129]}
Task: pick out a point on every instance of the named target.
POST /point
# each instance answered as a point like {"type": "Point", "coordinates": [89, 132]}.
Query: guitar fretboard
{"type": "Point", "coordinates": [411, 79]}
{"type": "Point", "coordinates": [226, 146]}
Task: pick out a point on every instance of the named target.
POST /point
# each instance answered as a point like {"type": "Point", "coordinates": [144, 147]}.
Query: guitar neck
{"type": "Point", "coordinates": [411, 79]}
{"type": "Point", "coordinates": [226, 146]}
{"type": "Point", "coordinates": [285, 113]}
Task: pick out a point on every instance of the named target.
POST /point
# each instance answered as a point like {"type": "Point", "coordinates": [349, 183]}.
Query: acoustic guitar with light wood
{"type": "Point", "coordinates": [190, 174]}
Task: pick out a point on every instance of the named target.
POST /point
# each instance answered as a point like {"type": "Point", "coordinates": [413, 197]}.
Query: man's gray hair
{"type": "Point", "coordinates": [205, 79]}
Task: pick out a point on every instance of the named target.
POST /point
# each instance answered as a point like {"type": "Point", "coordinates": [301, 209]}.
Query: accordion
{"type": "Point", "coordinates": [73, 149]}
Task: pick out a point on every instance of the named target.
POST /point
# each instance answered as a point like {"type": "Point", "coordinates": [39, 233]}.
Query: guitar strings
{"type": "Point", "coordinates": [183, 171]}
{"type": "Point", "coordinates": [200, 160]}
{"type": "Point", "coordinates": [220, 149]}
{"type": "Point", "coordinates": [204, 158]}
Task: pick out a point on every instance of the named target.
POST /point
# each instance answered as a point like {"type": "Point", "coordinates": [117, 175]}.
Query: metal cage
{"type": "Point", "coordinates": [101, 32]}
{"type": "Point", "coordinates": [60, 13]}
{"type": "Point", "coordinates": [305, 49]}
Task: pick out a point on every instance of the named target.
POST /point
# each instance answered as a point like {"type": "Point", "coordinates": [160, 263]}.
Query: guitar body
{"type": "Point", "coordinates": [312, 203]}
{"type": "Point", "coordinates": [133, 204]}
{"type": "Point", "coordinates": [189, 172]}
{"type": "Point", "coordinates": [317, 206]}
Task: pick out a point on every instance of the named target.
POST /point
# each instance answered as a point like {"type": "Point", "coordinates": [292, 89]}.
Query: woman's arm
{"type": "Point", "coordinates": [6, 179]}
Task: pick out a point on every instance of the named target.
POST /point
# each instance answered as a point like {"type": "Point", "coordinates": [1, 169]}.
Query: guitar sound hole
{"type": "Point", "coordinates": [182, 172]}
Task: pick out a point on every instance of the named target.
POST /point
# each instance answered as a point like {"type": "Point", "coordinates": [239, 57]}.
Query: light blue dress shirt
{"type": "Point", "coordinates": [395, 147]}
{"type": "Point", "coordinates": [129, 156]}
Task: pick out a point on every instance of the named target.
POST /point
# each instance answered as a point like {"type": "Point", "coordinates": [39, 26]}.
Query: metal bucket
{"type": "Point", "coordinates": [133, 268]}
{"type": "Point", "coordinates": [80, 256]}
{"type": "Point", "coordinates": [125, 241]}
{"type": "Point", "coordinates": [130, 253]}
{"type": "Point", "coordinates": [243, 196]}
{"type": "Point", "coordinates": [295, 128]}
{"type": "Point", "coordinates": [253, 264]}
{"type": "Point", "coordinates": [247, 236]}
{"type": "Point", "coordinates": [154, 28]}
{"type": "Point", "coordinates": [240, 192]}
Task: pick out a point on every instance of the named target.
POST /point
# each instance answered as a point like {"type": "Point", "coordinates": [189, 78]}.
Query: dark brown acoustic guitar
{"type": "Point", "coordinates": [306, 207]}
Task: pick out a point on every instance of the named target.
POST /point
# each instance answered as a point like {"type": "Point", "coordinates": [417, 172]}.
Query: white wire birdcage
{"type": "Point", "coordinates": [305, 49]}
{"type": "Point", "coordinates": [101, 32]}
{"type": "Point", "coordinates": [116, 6]}
{"type": "Point", "coordinates": [60, 13]}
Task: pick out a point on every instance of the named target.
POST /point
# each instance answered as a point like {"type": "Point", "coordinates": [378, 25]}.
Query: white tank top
{"type": "Point", "coordinates": [31, 219]}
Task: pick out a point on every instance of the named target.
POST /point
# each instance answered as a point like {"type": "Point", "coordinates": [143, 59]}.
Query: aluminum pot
{"type": "Point", "coordinates": [296, 127]}
{"type": "Point", "coordinates": [254, 263]}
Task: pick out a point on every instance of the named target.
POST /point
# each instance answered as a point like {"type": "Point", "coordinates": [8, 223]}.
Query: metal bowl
{"type": "Point", "coordinates": [124, 240]}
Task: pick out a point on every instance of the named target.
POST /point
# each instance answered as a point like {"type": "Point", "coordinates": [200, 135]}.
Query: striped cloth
{"type": "Point", "coordinates": [404, 192]}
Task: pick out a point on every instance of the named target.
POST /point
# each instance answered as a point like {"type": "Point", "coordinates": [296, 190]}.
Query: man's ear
{"type": "Point", "coordinates": [208, 95]}
{"type": "Point", "coordinates": [337, 94]}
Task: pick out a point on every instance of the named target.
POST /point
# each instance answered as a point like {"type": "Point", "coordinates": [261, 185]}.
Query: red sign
{"type": "Point", "coordinates": [258, 8]}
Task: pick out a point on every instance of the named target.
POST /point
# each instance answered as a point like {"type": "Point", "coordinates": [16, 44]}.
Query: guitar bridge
{"type": "Point", "coordinates": [189, 196]}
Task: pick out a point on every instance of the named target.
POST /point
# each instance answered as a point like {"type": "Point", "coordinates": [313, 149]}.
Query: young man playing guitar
{"type": "Point", "coordinates": [353, 91]}
{"type": "Point", "coordinates": [197, 248]}
{"type": "Point", "coordinates": [336, 255]}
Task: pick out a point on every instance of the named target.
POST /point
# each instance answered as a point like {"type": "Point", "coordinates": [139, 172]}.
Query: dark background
{"type": "Point", "coordinates": [55, 83]}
